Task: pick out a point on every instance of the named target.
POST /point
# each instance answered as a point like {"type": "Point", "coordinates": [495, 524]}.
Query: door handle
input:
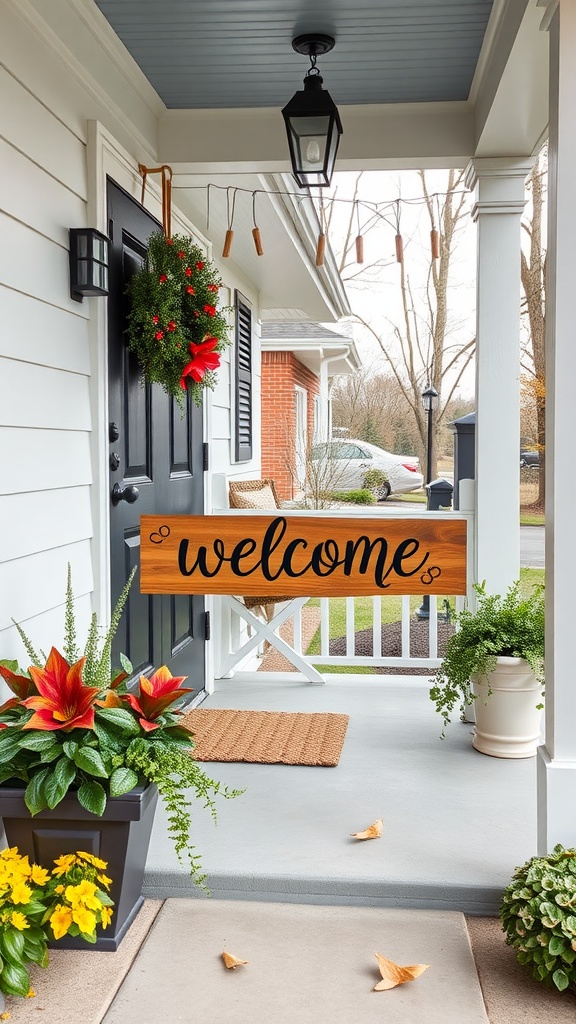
{"type": "Point", "coordinates": [129, 494]}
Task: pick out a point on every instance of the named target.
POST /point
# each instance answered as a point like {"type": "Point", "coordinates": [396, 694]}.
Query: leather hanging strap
{"type": "Point", "coordinates": [166, 173]}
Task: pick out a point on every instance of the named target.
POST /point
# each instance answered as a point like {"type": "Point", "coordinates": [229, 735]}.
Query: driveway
{"type": "Point", "coordinates": [532, 547]}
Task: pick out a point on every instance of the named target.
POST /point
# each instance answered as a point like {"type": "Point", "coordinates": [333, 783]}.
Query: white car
{"type": "Point", "coordinates": [346, 461]}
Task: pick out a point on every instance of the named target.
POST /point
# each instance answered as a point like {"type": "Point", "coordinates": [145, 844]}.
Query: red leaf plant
{"type": "Point", "coordinates": [74, 724]}
{"type": "Point", "coordinates": [64, 702]}
{"type": "Point", "coordinates": [156, 694]}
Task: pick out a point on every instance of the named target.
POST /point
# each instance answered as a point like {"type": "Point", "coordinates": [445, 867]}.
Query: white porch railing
{"type": "Point", "coordinates": [247, 644]}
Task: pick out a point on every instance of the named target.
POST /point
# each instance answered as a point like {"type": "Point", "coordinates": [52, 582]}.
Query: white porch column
{"type": "Point", "coordinates": [498, 209]}
{"type": "Point", "coordinates": [557, 759]}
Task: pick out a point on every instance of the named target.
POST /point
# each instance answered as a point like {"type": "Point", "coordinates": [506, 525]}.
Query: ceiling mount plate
{"type": "Point", "coordinates": [314, 44]}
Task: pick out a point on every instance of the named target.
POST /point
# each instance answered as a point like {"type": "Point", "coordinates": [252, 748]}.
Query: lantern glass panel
{"type": "Point", "coordinates": [101, 276]}
{"type": "Point", "coordinates": [101, 250]}
{"type": "Point", "coordinates": [82, 246]}
{"type": "Point", "coordinates": [83, 273]}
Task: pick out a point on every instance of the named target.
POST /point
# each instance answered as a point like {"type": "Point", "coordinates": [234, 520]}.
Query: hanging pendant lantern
{"type": "Point", "coordinates": [312, 120]}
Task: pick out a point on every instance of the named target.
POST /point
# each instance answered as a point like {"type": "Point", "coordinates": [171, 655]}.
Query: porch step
{"type": "Point", "coordinates": [456, 822]}
{"type": "Point", "coordinates": [313, 965]}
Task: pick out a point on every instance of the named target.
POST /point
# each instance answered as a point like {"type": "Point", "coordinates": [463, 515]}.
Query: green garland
{"type": "Point", "coordinates": [174, 326]}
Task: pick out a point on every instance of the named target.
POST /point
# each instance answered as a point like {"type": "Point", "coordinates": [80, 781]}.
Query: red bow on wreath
{"type": "Point", "coordinates": [203, 358]}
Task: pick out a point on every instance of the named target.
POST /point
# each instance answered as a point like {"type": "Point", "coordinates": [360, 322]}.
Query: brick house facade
{"type": "Point", "coordinates": [282, 375]}
{"type": "Point", "coordinates": [298, 359]}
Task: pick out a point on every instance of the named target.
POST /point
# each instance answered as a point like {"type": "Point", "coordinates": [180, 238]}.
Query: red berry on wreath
{"type": "Point", "coordinates": [188, 272]}
{"type": "Point", "coordinates": [159, 335]}
{"type": "Point", "coordinates": [190, 290]}
{"type": "Point", "coordinates": [163, 278]}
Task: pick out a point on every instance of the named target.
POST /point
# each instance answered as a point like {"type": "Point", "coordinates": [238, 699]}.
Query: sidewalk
{"type": "Point", "coordinates": [308, 965]}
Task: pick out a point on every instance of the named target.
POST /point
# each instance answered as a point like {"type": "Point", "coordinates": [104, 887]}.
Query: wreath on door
{"type": "Point", "coordinates": [174, 325]}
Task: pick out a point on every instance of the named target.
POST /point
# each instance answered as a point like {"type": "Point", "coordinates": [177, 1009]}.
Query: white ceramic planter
{"type": "Point", "coordinates": [508, 722]}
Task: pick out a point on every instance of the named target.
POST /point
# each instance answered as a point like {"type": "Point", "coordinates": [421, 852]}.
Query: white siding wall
{"type": "Point", "coordinates": [53, 474]}
{"type": "Point", "coordinates": [45, 467]}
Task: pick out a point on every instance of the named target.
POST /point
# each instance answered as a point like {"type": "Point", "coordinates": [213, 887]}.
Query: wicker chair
{"type": "Point", "coordinates": [257, 494]}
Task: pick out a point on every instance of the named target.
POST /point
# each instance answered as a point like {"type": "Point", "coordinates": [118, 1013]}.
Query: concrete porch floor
{"type": "Point", "coordinates": [456, 822]}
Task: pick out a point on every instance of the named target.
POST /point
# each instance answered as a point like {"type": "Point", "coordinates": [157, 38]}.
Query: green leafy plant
{"type": "Point", "coordinates": [73, 725]}
{"type": "Point", "coordinates": [358, 497]}
{"type": "Point", "coordinates": [510, 626]}
{"type": "Point", "coordinates": [174, 325]}
{"type": "Point", "coordinates": [374, 480]}
{"type": "Point", "coordinates": [37, 906]}
{"type": "Point", "coordinates": [538, 913]}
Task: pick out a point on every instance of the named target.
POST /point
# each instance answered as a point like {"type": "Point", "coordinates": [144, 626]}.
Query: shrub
{"type": "Point", "coordinates": [361, 497]}
{"type": "Point", "coordinates": [539, 919]}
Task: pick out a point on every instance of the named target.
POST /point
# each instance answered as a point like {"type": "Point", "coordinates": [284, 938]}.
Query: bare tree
{"type": "Point", "coordinates": [533, 271]}
{"type": "Point", "coordinates": [417, 347]}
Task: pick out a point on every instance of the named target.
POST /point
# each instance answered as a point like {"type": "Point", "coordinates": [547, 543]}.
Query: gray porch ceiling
{"type": "Point", "coordinates": [238, 53]}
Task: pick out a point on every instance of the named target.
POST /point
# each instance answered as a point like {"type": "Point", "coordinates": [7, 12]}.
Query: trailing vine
{"type": "Point", "coordinates": [174, 771]}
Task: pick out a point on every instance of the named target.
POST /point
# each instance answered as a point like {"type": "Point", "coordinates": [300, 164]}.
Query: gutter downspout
{"type": "Point", "coordinates": [324, 424]}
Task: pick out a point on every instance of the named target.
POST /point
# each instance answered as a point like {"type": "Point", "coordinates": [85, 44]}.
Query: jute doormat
{"type": "Point", "coordinates": [266, 737]}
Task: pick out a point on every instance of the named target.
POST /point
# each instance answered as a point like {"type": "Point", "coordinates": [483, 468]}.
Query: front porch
{"type": "Point", "coordinates": [456, 822]}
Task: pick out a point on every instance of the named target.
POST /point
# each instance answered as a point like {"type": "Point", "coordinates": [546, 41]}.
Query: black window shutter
{"type": "Point", "coordinates": [243, 378]}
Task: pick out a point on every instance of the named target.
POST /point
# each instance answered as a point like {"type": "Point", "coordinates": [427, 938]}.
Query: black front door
{"type": "Point", "coordinates": [156, 465]}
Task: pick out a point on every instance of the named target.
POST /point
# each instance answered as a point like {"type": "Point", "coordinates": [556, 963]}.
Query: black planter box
{"type": "Point", "coordinates": [120, 837]}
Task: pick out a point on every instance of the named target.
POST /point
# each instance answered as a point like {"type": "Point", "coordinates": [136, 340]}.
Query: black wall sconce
{"type": "Point", "coordinates": [312, 120]}
{"type": "Point", "coordinates": [88, 263]}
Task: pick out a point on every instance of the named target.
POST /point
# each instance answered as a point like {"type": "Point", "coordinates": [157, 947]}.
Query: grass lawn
{"type": "Point", "coordinates": [531, 518]}
{"type": "Point", "coordinates": [412, 496]}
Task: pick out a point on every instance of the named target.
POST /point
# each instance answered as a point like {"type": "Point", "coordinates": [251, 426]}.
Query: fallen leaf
{"type": "Point", "coordinates": [374, 831]}
{"type": "Point", "coordinates": [231, 961]}
{"type": "Point", "coordinates": [393, 974]}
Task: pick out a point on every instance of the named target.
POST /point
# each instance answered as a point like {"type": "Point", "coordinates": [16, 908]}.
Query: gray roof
{"type": "Point", "coordinates": [287, 330]}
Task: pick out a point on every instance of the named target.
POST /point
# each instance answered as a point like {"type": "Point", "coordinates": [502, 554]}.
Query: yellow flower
{"type": "Point", "coordinates": [39, 875]}
{"type": "Point", "coordinates": [10, 854]}
{"type": "Point", "coordinates": [20, 921]}
{"type": "Point", "coordinates": [63, 864]}
{"type": "Point", "coordinates": [21, 893]}
{"type": "Point", "coordinates": [93, 860]}
{"type": "Point", "coordinates": [30, 994]}
{"type": "Point", "coordinates": [60, 921]}
{"type": "Point", "coordinates": [107, 882]}
{"type": "Point", "coordinates": [106, 913]}
{"type": "Point", "coordinates": [83, 895]}
{"type": "Point", "coordinates": [59, 889]}
{"type": "Point", "coordinates": [5, 1015]}
{"type": "Point", "coordinates": [85, 919]}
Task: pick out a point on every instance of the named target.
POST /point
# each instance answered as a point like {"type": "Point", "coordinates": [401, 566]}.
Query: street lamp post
{"type": "Point", "coordinates": [429, 404]}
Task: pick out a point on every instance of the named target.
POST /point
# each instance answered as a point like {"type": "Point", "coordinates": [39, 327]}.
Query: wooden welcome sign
{"type": "Point", "coordinates": [299, 556]}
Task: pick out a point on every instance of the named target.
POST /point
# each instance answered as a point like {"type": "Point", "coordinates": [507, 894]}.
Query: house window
{"type": "Point", "coordinates": [301, 432]}
{"type": "Point", "coordinates": [243, 416]}
{"type": "Point", "coordinates": [316, 420]}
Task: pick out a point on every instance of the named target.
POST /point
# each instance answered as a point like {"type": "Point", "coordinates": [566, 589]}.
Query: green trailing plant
{"type": "Point", "coordinates": [73, 724]}
{"type": "Point", "coordinates": [511, 626]}
{"type": "Point", "coordinates": [174, 324]}
{"type": "Point", "coordinates": [538, 914]}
